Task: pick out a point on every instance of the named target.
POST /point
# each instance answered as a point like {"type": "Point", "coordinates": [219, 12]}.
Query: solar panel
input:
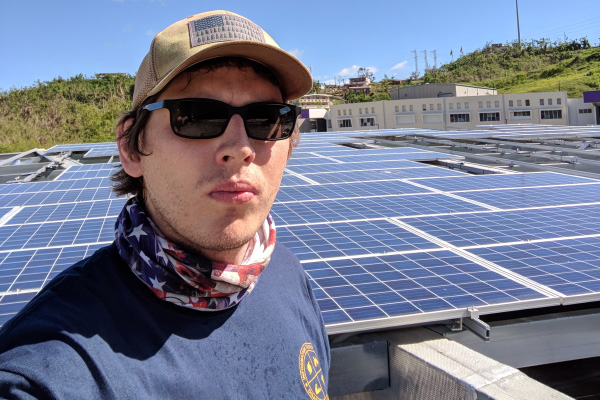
{"type": "Point", "coordinates": [422, 286]}
{"type": "Point", "coordinates": [484, 228]}
{"type": "Point", "coordinates": [79, 147]}
{"type": "Point", "coordinates": [352, 166]}
{"type": "Point", "coordinates": [569, 266]}
{"type": "Point", "coordinates": [101, 173]}
{"type": "Point", "coordinates": [347, 190]}
{"type": "Point", "coordinates": [368, 208]}
{"type": "Point", "coordinates": [68, 211]}
{"type": "Point", "coordinates": [35, 187]}
{"type": "Point", "coordinates": [382, 175]}
{"type": "Point", "coordinates": [58, 196]}
{"type": "Point", "coordinates": [312, 242]}
{"type": "Point", "coordinates": [537, 196]}
{"type": "Point", "coordinates": [498, 181]}
{"type": "Point", "coordinates": [385, 240]}
{"type": "Point", "coordinates": [50, 234]}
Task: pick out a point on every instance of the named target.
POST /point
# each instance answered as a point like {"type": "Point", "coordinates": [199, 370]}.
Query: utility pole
{"type": "Point", "coordinates": [416, 63]}
{"type": "Point", "coordinates": [434, 59]}
{"type": "Point", "coordinates": [518, 25]}
{"type": "Point", "coordinates": [426, 63]}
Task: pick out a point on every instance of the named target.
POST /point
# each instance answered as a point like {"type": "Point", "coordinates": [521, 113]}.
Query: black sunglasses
{"type": "Point", "coordinates": [207, 118]}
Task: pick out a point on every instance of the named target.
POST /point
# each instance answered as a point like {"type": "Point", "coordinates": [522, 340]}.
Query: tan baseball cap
{"type": "Point", "coordinates": [210, 35]}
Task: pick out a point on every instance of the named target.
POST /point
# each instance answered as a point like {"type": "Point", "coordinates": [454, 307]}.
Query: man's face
{"type": "Point", "coordinates": [211, 195]}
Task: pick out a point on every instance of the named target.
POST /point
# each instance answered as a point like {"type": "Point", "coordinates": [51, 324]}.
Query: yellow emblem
{"type": "Point", "coordinates": [311, 373]}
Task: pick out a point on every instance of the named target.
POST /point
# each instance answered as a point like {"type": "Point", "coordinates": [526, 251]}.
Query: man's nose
{"type": "Point", "coordinates": [235, 144]}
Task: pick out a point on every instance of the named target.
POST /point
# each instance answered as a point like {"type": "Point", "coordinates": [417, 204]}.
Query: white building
{"type": "Point", "coordinates": [581, 113]}
{"type": "Point", "coordinates": [450, 113]}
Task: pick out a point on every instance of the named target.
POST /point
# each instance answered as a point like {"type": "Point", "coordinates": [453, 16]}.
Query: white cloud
{"type": "Point", "coordinates": [400, 65]}
{"type": "Point", "coordinates": [348, 71]}
{"type": "Point", "coordinates": [150, 32]}
{"type": "Point", "coordinates": [353, 71]}
{"type": "Point", "coordinates": [296, 52]}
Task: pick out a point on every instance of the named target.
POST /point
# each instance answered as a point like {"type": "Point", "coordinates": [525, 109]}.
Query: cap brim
{"type": "Point", "coordinates": [293, 76]}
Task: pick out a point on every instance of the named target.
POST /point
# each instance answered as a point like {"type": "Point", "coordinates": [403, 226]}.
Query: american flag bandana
{"type": "Point", "coordinates": [186, 279]}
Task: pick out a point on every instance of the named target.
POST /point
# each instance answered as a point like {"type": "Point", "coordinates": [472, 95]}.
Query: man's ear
{"type": "Point", "coordinates": [131, 163]}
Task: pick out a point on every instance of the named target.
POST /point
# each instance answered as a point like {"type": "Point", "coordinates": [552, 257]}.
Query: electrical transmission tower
{"type": "Point", "coordinates": [426, 63]}
{"type": "Point", "coordinates": [434, 59]}
{"type": "Point", "coordinates": [416, 63]}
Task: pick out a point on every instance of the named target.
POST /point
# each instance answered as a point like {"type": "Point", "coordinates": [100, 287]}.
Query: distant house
{"type": "Point", "coordinates": [362, 84]}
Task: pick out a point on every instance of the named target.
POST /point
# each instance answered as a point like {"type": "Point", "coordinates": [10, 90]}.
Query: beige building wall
{"type": "Point", "coordinates": [450, 113]}
{"type": "Point", "coordinates": [581, 113]}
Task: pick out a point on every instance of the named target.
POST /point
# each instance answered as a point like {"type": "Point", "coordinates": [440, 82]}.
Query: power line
{"type": "Point", "coordinates": [583, 24]}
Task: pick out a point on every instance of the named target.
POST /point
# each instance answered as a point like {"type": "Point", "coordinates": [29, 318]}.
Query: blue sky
{"type": "Point", "coordinates": [42, 39]}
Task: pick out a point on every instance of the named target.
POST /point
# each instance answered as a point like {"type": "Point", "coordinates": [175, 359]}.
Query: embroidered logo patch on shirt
{"type": "Point", "coordinates": [312, 373]}
{"type": "Point", "coordinates": [222, 28]}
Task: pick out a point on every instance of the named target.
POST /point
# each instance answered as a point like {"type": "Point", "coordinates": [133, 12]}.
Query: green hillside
{"type": "Point", "coordinates": [75, 110]}
{"type": "Point", "coordinates": [537, 66]}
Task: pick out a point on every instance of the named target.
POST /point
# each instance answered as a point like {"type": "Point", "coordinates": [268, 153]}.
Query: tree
{"type": "Point", "coordinates": [316, 88]}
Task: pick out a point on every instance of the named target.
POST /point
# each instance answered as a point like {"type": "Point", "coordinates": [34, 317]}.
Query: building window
{"type": "Point", "coordinates": [496, 104]}
{"type": "Point", "coordinates": [372, 110]}
{"type": "Point", "coordinates": [339, 113]}
{"type": "Point", "coordinates": [424, 107]}
{"type": "Point", "coordinates": [510, 103]}
{"type": "Point", "coordinates": [345, 123]}
{"type": "Point", "coordinates": [370, 121]}
{"type": "Point", "coordinates": [519, 103]}
{"type": "Point", "coordinates": [551, 114]}
{"type": "Point", "coordinates": [488, 104]}
{"type": "Point", "coordinates": [410, 108]}
{"type": "Point", "coordinates": [541, 102]}
{"type": "Point", "coordinates": [344, 112]}
{"type": "Point", "coordinates": [489, 116]}
{"type": "Point", "coordinates": [431, 107]}
{"type": "Point", "coordinates": [549, 102]}
{"type": "Point", "coordinates": [585, 111]}
{"type": "Point", "coordinates": [527, 102]}
{"type": "Point", "coordinates": [558, 101]}
{"type": "Point", "coordinates": [522, 114]}
{"type": "Point", "coordinates": [397, 109]}
{"type": "Point", "coordinates": [350, 111]}
{"type": "Point", "coordinates": [481, 104]}
{"type": "Point", "coordinates": [439, 107]}
{"type": "Point", "coordinates": [404, 108]}
{"type": "Point", "coordinates": [360, 111]}
{"type": "Point", "coordinates": [451, 106]}
{"type": "Point", "coordinates": [466, 105]}
{"type": "Point", "coordinates": [460, 118]}
{"type": "Point", "coordinates": [405, 120]}
{"type": "Point", "coordinates": [433, 118]}
{"type": "Point", "coordinates": [458, 106]}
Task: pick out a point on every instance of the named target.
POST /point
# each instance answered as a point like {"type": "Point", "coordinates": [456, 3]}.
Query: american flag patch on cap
{"type": "Point", "coordinates": [222, 28]}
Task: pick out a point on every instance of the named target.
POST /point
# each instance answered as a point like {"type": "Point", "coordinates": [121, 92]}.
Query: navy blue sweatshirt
{"type": "Point", "coordinates": [96, 331]}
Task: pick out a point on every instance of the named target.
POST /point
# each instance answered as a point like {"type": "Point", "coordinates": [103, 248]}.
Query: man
{"type": "Point", "coordinates": [194, 299]}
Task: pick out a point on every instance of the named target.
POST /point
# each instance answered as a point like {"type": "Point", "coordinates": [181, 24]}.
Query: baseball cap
{"type": "Point", "coordinates": [211, 35]}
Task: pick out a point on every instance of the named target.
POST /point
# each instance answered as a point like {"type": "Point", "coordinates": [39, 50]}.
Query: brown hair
{"type": "Point", "coordinates": [132, 138]}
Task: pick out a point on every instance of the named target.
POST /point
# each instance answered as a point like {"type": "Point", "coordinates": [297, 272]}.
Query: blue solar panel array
{"type": "Point", "coordinates": [385, 240]}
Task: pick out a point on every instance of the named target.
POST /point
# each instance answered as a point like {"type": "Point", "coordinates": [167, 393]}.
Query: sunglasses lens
{"type": "Point", "coordinates": [270, 121]}
{"type": "Point", "coordinates": [199, 119]}
{"type": "Point", "coordinates": [206, 119]}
